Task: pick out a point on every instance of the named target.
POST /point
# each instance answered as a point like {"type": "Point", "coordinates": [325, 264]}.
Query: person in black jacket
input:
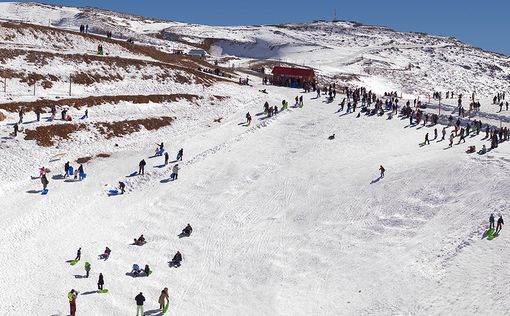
{"type": "Point", "coordinates": [100, 282]}
{"type": "Point", "coordinates": [139, 304]}
{"type": "Point", "coordinates": [499, 225]}
{"type": "Point", "coordinates": [141, 167]}
{"type": "Point", "coordinates": [66, 169]}
{"type": "Point", "coordinates": [187, 230]}
{"type": "Point", "coordinates": [176, 261]}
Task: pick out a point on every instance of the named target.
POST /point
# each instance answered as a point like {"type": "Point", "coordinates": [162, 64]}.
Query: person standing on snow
{"type": "Point", "coordinates": [141, 167]}
{"type": "Point", "coordinates": [100, 282]}
{"type": "Point", "coordinates": [443, 133]}
{"type": "Point", "coordinates": [499, 224]}
{"type": "Point", "coordinates": [381, 168]}
{"type": "Point", "coordinates": [72, 302]}
{"type": "Point", "coordinates": [491, 221]}
{"type": "Point", "coordinates": [451, 140]}
{"type": "Point", "coordinates": [426, 142]}
{"type": "Point", "coordinates": [44, 181]}
{"type": "Point", "coordinates": [87, 269]}
{"type": "Point", "coordinates": [248, 118]}
{"type": "Point", "coordinates": [122, 187]}
{"type": "Point", "coordinates": [166, 158]}
{"type": "Point", "coordinates": [179, 154]}
{"type": "Point", "coordinates": [66, 169]}
{"type": "Point", "coordinates": [175, 172]}
{"type": "Point", "coordinates": [78, 255]}
{"type": "Point", "coordinates": [139, 304]}
{"type": "Point", "coordinates": [163, 298]}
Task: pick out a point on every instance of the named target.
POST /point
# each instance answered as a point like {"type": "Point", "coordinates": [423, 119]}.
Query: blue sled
{"type": "Point", "coordinates": [44, 192]}
{"type": "Point", "coordinates": [133, 174]}
{"type": "Point", "coordinates": [71, 170]}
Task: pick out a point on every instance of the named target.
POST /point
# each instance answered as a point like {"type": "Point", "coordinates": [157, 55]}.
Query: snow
{"type": "Point", "coordinates": [285, 221]}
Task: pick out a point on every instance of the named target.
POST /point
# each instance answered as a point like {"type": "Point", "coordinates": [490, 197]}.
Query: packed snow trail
{"type": "Point", "coordinates": [285, 222]}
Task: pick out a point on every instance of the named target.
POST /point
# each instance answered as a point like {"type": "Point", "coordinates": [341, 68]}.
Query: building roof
{"type": "Point", "coordinates": [293, 72]}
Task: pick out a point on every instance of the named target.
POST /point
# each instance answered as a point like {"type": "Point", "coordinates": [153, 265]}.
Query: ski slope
{"type": "Point", "coordinates": [285, 222]}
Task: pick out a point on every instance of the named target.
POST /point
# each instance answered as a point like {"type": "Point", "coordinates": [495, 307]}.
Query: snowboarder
{"type": "Point", "coordinates": [66, 169]}
{"type": "Point", "coordinates": [87, 269]}
{"type": "Point", "coordinates": [141, 167]}
{"type": "Point", "coordinates": [100, 282]}
{"type": "Point", "coordinates": [147, 270]}
{"type": "Point", "coordinates": [139, 304]}
{"type": "Point", "coordinates": [163, 298]}
{"type": "Point", "coordinates": [72, 302]}
{"type": "Point", "coordinates": [175, 172]}
{"type": "Point", "coordinates": [179, 154]}
{"type": "Point", "coordinates": [187, 230]}
{"type": "Point", "coordinates": [122, 187]}
{"type": "Point", "coordinates": [491, 221]}
{"type": "Point", "coordinates": [78, 255]}
{"type": "Point", "coordinates": [166, 158]}
{"type": "Point", "coordinates": [176, 261]}
{"type": "Point", "coordinates": [500, 224]}
{"type": "Point", "coordinates": [248, 119]}
{"type": "Point", "coordinates": [381, 168]}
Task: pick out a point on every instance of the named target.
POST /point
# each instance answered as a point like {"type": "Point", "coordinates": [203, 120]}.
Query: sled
{"type": "Point", "coordinates": [102, 291]}
{"type": "Point", "coordinates": [113, 192]}
{"type": "Point", "coordinates": [74, 262]}
{"type": "Point", "coordinates": [44, 192]}
{"type": "Point", "coordinates": [71, 170]}
{"type": "Point", "coordinates": [165, 308]}
{"type": "Point", "coordinates": [491, 234]}
{"type": "Point", "coordinates": [83, 175]}
{"type": "Point", "coordinates": [133, 174]}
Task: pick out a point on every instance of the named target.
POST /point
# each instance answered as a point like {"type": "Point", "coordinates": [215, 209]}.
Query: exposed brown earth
{"type": "Point", "coordinates": [46, 135]}
{"type": "Point", "coordinates": [121, 128]}
{"type": "Point", "coordinates": [83, 159]}
{"type": "Point", "coordinates": [96, 100]}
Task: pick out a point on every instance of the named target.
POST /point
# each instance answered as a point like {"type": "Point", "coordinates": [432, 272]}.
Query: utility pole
{"type": "Point", "coordinates": [70, 80]}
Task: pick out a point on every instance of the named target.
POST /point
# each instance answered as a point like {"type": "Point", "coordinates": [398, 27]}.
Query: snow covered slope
{"type": "Point", "coordinates": [286, 221]}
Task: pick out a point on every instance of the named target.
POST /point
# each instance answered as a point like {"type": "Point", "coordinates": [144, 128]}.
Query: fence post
{"type": "Point", "coordinates": [70, 81]}
{"type": "Point", "coordinates": [35, 82]}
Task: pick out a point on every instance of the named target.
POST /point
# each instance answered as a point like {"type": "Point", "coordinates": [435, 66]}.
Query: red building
{"type": "Point", "coordinates": [293, 77]}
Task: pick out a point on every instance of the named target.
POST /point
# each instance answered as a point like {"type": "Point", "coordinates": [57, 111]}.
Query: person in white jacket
{"type": "Point", "coordinates": [175, 172]}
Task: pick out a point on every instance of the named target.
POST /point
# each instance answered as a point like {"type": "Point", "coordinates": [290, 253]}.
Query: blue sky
{"type": "Point", "coordinates": [480, 23]}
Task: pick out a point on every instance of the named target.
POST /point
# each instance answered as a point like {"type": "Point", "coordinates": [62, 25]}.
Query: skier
{"type": "Point", "coordinates": [500, 224]}
{"type": "Point", "coordinates": [163, 298]}
{"type": "Point", "coordinates": [141, 167]}
{"type": "Point", "coordinates": [179, 154]}
{"type": "Point", "coordinates": [175, 172]}
{"type": "Point", "coordinates": [491, 221]}
{"type": "Point", "coordinates": [72, 302]}
{"type": "Point", "coordinates": [139, 304]}
{"type": "Point", "coordinates": [248, 118]}
{"type": "Point", "coordinates": [187, 230]}
{"type": "Point", "coordinates": [44, 181]}
{"type": "Point", "coordinates": [147, 270]}
{"type": "Point", "coordinates": [78, 255]}
{"type": "Point", "coordinates": [100, 282]}
{"type": "Point", "coordinates": [66, 169]}
{"type": "Point", "coordinates": [136, 270]}
{"type": "Point", "coordinates": [87, 269]}
{"type": "Point", "coordinates": [381, 168]}
{"type": "Point", "coordinates": [176, 261]}
{"type": "Point", "coordinates": [166, 158]}
{"type": "Point", "coordinates": [122, 187]}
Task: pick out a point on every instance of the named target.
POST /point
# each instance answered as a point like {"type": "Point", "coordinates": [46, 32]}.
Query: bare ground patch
{"type": "Point", "coordinates": [97, 100]}
{"type": "Point", "coordinates": [46, 135]}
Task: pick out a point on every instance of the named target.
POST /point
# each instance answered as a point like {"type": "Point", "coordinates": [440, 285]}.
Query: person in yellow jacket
{"type": "Point", "coordinates": [72, 301]}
